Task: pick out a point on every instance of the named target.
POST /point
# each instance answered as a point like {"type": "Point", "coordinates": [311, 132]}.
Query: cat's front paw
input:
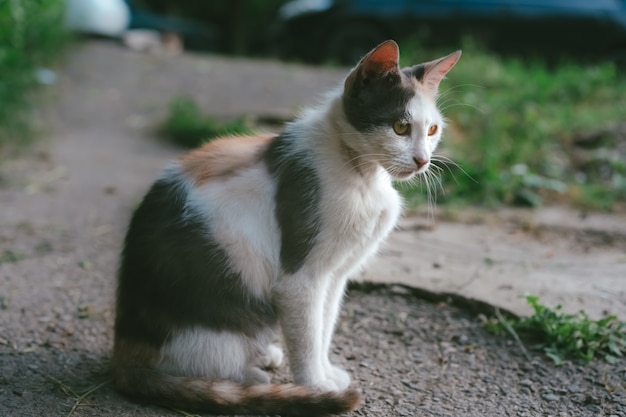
{"type": "Point", "coordinates": [320, 381]}
{"type": "Point", "coordinates": [340, 377]}
{"type": "Point", "coordinates": [326, 385]}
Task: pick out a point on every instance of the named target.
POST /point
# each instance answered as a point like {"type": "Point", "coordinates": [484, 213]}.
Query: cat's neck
{"type": "Point", "coordinates": [326, 129]}
{"type": "Point", "coordinates": [356, 163]}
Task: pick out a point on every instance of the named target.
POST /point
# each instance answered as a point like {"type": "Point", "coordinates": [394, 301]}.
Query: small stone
{"type": "Point", "coordinates": [109, 189]}
{"type": "Point", "coordinates": [526, 383]}
{"type": "Point", "coordinates": [84, 311]}
{"type": "Point", "coordinates": [575, 388]}
{"type": "Point", "coordinates": [86, 265]}
{"type": "Point", "coordinates": [409, 384]}
{"type": "Point", "coordinates": [550, 397]}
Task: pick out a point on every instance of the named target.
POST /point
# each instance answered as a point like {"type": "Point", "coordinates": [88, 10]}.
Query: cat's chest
{"type": "Point", "coordinates": [362, 214]}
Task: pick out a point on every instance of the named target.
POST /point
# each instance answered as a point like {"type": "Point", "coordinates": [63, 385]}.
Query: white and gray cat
{"type": "Point", "coordinates": [247, 236]}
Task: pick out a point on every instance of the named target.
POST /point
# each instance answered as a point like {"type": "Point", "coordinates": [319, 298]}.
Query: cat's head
{"type": "Point", "coordinates": [394, 110]}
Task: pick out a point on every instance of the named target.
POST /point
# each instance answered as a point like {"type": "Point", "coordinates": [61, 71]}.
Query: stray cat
{"type": "Point", "coordinates": [248, 235]}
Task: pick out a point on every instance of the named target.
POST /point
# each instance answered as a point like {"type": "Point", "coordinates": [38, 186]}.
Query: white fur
{"type": "Point", "coordinates": [357, 213]}
{"type": "Point", "coordinates": [424, 113]}
{"type": "Point", "coordinates": [240, 213]}
{"type": "Point", "coordinates": [359, 207]}
{"type": "Point", "coordinates": [204, 352]}
{"type": "Point", "coordinates": [220, 355]}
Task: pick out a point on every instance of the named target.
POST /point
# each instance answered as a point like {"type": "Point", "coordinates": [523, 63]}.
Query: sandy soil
{"type": "Point", "coordinates": [64, 206]}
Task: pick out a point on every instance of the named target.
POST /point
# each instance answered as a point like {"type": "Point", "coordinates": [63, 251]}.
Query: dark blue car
{"type": "Point", "coordinates": [196, 34]}
{"type": "Point", "coordinates": [344, 30]}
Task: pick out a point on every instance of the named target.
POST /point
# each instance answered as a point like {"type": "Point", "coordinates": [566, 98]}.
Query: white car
{"type": "Point", "coordinates": [98, 17]}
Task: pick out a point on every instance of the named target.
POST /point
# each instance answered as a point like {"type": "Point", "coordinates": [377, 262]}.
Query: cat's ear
{"type": "Point", "coordinates": [380, 62]}
{"type": "Point", "coordinates": [431, 73]}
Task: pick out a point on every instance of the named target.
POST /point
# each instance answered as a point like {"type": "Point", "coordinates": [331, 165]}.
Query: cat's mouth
{"type": "Point", "coordinates": [404, 175]}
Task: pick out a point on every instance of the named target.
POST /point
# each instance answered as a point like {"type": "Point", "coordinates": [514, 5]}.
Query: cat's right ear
{"type": "Point", "coordinates": [380, 62]}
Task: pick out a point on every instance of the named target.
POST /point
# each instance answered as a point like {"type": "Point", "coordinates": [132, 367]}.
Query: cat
{"type": "Point", "coordinates": [246, 236]}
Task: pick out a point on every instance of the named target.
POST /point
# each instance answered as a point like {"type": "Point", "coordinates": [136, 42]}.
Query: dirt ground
{"type": "Point", "coordinates": [64, 206]}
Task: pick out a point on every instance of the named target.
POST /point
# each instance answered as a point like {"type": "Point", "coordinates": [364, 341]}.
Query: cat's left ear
{"type": "Point", "coordinates": [431, 73]}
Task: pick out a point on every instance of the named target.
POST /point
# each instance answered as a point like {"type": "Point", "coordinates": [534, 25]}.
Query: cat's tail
{"type": "Point", "coordinates": [227, 397]}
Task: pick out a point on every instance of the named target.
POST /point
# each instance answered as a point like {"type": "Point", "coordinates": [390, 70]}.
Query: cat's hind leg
{"type": "Point", "coordinates": [212, 354]}
{"type": "Point", "coordinates": [271, 357]}
{"type": "Point", "coordinates": [266, 353]}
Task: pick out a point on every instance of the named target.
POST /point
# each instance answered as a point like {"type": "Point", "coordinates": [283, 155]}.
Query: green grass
{"type": "Point", "coordinates": [511, 128]}
{"type": "Point", "coordinates": [188, 126]}
{"type": "Point", "coordinates": [9, 256]}
{"type": "Point", "coordinates": [31, 36]}
{"type": "Point", "coordinates": [564, 336]}
{"type": "Point", "coordinates": [511, 124]}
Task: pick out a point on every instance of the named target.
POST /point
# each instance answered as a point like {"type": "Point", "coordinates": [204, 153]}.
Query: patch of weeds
{"type": "Point", "coordinates": [512, 122]}
{"type": "Point", "coordinates": [8, 256]}
{"type": "Point", "coordinates": [79, 399]}
{"type": "Point", "coordinates": [32, 35]}
{"type": "Point", "coordinates": [184, 413]}
{"type": "Point", "coordinates": [85, 311]}
{"type": "Point", "coordinates": [564, 336]}
{"type": "Point", "coordinates": [188, 126]}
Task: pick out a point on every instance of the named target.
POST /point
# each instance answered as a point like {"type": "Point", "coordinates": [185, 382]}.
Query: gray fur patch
{"type": "Point", "coordinates": [175, 275]}
{"type": "Point", "coordinates": [373, 102]}
{"type": "Point", "coordinates": [297, 201]}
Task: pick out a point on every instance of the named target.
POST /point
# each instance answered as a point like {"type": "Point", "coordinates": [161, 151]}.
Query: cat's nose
{"type": "Point", "coordinates": [420, 162]}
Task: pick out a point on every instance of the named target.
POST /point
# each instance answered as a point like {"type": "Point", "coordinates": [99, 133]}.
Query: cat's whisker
{"type": "Point", "coordinates": [448, 91]}
{"type": "Point", "coordinates": [447, 161]}
{"type": "Point", "coordinates": [458, 103]}
{"type": "Point", "coordinates": [360, 165]}
{"type": "Point", "coordinates": [445, 164]}
{"type": "Point", "coordinates": [430, 197]}
{"type": "Point", "coordinates": [437, 168]}
{"type": "Point", "coordinates": [362, 160]}
{"type": "Point", "coordinates": [439, 181]}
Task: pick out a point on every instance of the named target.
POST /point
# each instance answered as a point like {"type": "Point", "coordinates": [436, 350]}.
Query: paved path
{"type": "Point", "coordinates": [65, 205]}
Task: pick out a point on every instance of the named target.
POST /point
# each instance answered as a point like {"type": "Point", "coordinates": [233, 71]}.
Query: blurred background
{"type": "Point", "coordinates": [536, 109]}
{"type": "Point", "coordinates": [528, 187]}
{"type": "Point", "coordinates": [342, 31]}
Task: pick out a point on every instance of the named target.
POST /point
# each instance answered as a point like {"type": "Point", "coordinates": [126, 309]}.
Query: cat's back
{"type": "Point", "coordinates": [223, 158]}
{"type": "Point", "coordinates": [222, 178]}
{"type": "Point", "coordinates": [205, 227]}
{"type": "Point", "coordinates": [221, 191]}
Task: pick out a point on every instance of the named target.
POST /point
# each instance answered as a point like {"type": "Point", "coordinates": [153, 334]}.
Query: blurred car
{"type": "Point", "coordinates": [195, 34]}
{"type": "Point", "coordinates": [344, 30]}
{"type": "Point", "coordinates": [98, 17]}
{"type": "Point", "coordinates": [113, 18]}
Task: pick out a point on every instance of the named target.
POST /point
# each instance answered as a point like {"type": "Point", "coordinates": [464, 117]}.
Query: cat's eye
{"type": "Point", "coordinates": [401, 128]}
{"type": "Point", "coordinates": [432, 130]}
